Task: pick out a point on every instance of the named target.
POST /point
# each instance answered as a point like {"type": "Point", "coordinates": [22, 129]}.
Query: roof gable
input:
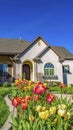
{"type": "Point", "coordinates": [60, 51]}
{"type": "Point", "coordinates": [33, 43]}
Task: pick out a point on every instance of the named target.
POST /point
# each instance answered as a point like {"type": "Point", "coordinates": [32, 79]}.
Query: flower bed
{"type": "Point", "coordinates": [37, 109]}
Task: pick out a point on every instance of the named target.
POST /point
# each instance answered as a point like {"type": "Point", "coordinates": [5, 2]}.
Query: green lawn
{"type": "Point", "coordinates": [4, 110]}
{"type": "Point", "coordinates": [56, 89]}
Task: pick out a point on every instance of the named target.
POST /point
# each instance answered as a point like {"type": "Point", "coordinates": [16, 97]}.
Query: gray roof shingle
{"type": "Point", "coordinates": [62, 52]}
{"type": "Point", "coordinates": [12, 46]}
{"type": "Point", "coordinates": [17, 46]}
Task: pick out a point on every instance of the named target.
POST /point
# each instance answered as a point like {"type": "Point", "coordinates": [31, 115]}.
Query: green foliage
{"type": "Point", "coordinates": [5, 85]}
{"type": "Point", "coordinates": [69, 90]}
{"type": "Point", "coordinates": [41, 114]}
{"type": "Point", "coordinates": [4, 110]}
{"type": "Point", "coordinates": [57, 89]}
{"type": "Point", "coordinates": [52, 83]}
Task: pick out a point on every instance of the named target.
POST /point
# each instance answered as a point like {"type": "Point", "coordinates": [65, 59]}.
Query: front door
{"type": "Point", "coordinates": [26, 71]}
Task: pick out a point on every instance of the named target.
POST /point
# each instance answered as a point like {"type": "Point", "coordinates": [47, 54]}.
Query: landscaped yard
{"type": "Point", "coordinates": [37, 106]}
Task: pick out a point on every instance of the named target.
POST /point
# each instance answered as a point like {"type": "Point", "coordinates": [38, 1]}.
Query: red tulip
{"type": "Point", "coordinates": [28, 98]}
{"type": "Point", "coordinates": [24, 105]}
{"type": "Point", "coordinates": [19, 99]}
{"type": "Point", "coordinates": [15, 102]}
{"type": "Point", "coordinates": [39, 89]}
{"type": "Point", "coordinates": [61, 85]}
{"type": "Point", "coordinates": [50, 98]}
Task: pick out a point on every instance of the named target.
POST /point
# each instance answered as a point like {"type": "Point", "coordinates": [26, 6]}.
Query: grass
{"type": "Point", "coordinates": [67, 90]}
{"type": "Point", "coordinates": [4, 110]}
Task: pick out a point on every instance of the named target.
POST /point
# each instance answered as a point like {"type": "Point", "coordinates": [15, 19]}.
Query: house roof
{"type": "Point", "coordinates": [12, 46]}
{"type": "Point", "coordinates": [62, 52]}
{"type": "Point", "coordinates": [18, 46]}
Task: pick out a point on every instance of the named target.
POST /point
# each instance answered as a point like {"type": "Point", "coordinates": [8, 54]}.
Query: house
{"type": "Point", "coordinates": [37, 61]}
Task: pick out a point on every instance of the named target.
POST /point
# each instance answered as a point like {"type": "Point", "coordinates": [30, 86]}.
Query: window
{"type": "Point", "coordinates": [3, 70]}
{"type": "Point", "coordinates": [49, 69]}
{"type": "Point", "coordinates": [66, 69]}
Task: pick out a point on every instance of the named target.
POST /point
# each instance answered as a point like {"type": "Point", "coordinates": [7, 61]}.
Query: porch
{"type": "Point", "coordinates": [6, 70]}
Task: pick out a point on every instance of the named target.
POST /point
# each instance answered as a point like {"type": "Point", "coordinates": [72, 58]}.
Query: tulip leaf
{"type": "Point", "coordinates": [14, 121]}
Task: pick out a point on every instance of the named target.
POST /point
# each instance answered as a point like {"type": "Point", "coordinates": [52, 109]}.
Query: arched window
{"type": "Point", "coordinates": [48, 69]}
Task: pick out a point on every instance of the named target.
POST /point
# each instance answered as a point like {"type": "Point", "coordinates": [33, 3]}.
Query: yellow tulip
{"type": "Point", "coordinates": [45, 84]}
{"type": "Point", "coordinates": [55, 120]}
{"type": "Point", "coordinates": [31, 118]}
{"type": "Point", "coordinates": [52, 110]}
{"type": "Point", "coordinates": [27, 88]}
{"type": "Point", "coordinates": [43, 108]}
{"type": "Point", "coordinates": [16, 81]}
{"type": "Point", "coordinates": [62, 106]}
{"type": "Point", "coordinates": [61, 112]}
{"type": "Point", "coordinates": [38, 108]}
{"type": "Point", "coordinates": [20, 79]}
{"type": "Point", "coordinates": [44, 114]}
{"type": "Point", "coordinates": [67, 115]}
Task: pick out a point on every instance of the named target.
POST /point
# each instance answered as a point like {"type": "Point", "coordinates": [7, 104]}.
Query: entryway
{"type": "Point", "coordinates": [27, 70]}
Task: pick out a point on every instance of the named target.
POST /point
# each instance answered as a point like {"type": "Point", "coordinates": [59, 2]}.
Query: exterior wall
{"type": "Point", "coordinates": [38, 68]}
{"type": "Point", "coordinates": [33, 51]}
{"type": "Point", "coordinates": [18, 70]}
{"type": "Point", "coordinates": [51, 57]}
{"type": "Point", "coordinates": [69, 76]}
{"type": "Point", "coordinates": [29, 55]}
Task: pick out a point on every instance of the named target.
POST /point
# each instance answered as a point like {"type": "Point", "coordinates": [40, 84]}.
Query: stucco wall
{"type": "Point", "coordinates": [29, 55]}
{"type": "Point", "coordinates": [18, 70]}
{"type": "Point", "coordinates": [51, 57]}
{"type": "Point", "coordinates": [33, 51]}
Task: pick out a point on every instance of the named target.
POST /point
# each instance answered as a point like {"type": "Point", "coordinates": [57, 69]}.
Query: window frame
{"type": "Point", "coordinates": [48, 69]}
{"type": "Point", "coordinates": [4, 70]}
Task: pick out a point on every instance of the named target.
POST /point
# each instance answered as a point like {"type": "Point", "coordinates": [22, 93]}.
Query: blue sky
{"type": "Point", "coordinates": [52, 19]}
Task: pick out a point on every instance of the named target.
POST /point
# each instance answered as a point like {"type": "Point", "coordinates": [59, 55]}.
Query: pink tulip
{"type": "Point", "coordinates": [39, 89]}
{"type": "Point", "coordinates": [50, 98]}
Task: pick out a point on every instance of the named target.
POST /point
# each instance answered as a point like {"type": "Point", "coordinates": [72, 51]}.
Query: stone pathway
{"type": "Point", "coordinates": [7, 125]}
{"type": "Point", "coordinates": [67, 96]}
